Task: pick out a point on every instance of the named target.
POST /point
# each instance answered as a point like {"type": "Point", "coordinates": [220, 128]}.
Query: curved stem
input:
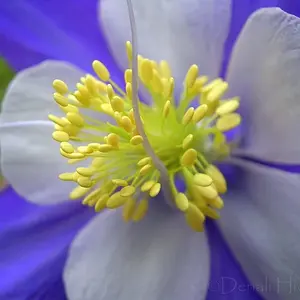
{"type": "Point", "coordinates": [149, 150]}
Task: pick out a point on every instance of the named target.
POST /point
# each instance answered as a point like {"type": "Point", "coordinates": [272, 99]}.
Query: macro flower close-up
{"type": "Point", "coordinates": [158, 152]}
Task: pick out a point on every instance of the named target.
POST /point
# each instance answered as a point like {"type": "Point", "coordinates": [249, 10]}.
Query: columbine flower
{"type": "Point", "coordinates": [161, 257]}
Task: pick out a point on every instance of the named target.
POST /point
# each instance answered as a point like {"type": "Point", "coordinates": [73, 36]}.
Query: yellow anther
{"type": "Point", "coordinates": [129, 90]}
{"type": "Point", "coordinates": [191, 76]}
{"type": "Point", "coordinates": [91, 84]}
{"type": "Point", "coordinates": [156, 83]}
{"type": "Point", "coordinates": [75, 176]}
{"type": "Point", "coordinates": [127, 191]}
{"type": "Point", "coordinates": [102, 88]}
{"type": "Point", "coordinates": [169, 87]}
{"type": "Point", "coordinates": [67, 147]}
{"type": "Point", "coordinates": [117, 104]}
{"type": "Point", "coordinates": [146, 71]}
{"type": "Point", "coordinates": [136, 140]}
{"type": "Point", "coordinates": [217, 203]}
{"type": "Point", "coordinates": [217, 92]}
{"type": "Point", "coordinates": [144, 161]}
{"type": "Point", "coordinates": [86, 172]}
{"type": "Point", "coordinates": [147, 185]}
{"type": "Point", "coordinates": [182, 202]}
{"type": "Point", "coordinates": [200, 81]}
{"type": "Point", "coordinates": [228, 122]}
{"type": "Point", "coordinates": [83, 92]}
{"type": "Point", "coordinates": [140, 210]}
{"type": "Point", "coordinates": [194, 218]}
{"type": "Point", "coordinates": [208, 192]}
{"type": "Point", "coordinates": [60, 99]}
{"type": "Point", "coordinates": [101, 203]}
{"type": "Point", "coordinates": [60, 86]}
{"type": "Point", "coordinates": [60, 136]}
{"type": "Point", "coordinates": [131, 116]}
{"type": "Point", "coordinates": [113, 139]}
{"type": "Point", "coordinates": [71, 155]}
{"type": "Point", "coordinates": [154, 65]}
{"type": "Point", "coordinates": [116, 200]}
{"type": "Point", "coordinates": [120, 182]}
{"type": "Point", "coordinates": [189, 157]}
{"type": "Point", "coordinates": [128, 76]}
{"type": "Point", "coordinates": [210, 213]}
{"type": "Point", "coordinates": [188, 116]}
{"type": "Point", "coordinates": [70, 108]}
{"type": "Point", "coordinates": [166, 108]}
{"type": "Point", "coordinates": [211, 85]}
{"type": "Point", "coordinates": [58, 128]}
{"type": "Point", "coordinates": [125, 122]}
{"type": "Point", "coordinates": [84, 182]}
{"type": "Point", "coordinates": [187, 141]}
{"type": "Point", "coordinates": [84, 100]}
{"type": "Point", "coordinates": [105, 148]}
{"type": "Point", "coordinates": [165, 69]}
{"type": "Point", "coordinates": [202, 179]}
{"type": "Point", "coordinates": [66, 176]}
{"type": "Point", "coordinates": [118, 117]}
{"type": "Point", "coordinates": [106, 108]}
{"type": "Point", "coordinates": [59, 121]}
{"type": "Point", "coordinates": [199, 113]}
{"type": "Point", "coordinates": [85, 149]}
{"type": "Point", "coordinates": [92, 198]}
{"type": "Point", "coordinates": [228, 107]}
{"type": "Point", "coordinates": [145, 169]}
{"type": "Point", "coordinates": [75, 119]}
{"type": "Point", "coordinates": [218, 178]}
{"type": "Point", "coordinates": [129, 51]}
{"type": "Point", "coordinates": [155, 189]}
{"type": "Point", "coordinates": [101, 70]}
{"type": "Point", "coordinates": [110, 91]}
{"type": "Point", "coordinates": [128, 209]}
{"type": "Point", "coordinates": [79, 192]}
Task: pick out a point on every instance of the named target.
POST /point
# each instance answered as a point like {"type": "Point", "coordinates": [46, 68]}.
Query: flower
{"type": "Point", "coordinates": [132, 247]}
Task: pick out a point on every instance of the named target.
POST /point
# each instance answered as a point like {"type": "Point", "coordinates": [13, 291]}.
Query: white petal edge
{"type": "Point", "coordinates": [158, 258]}
{"type": "Point", "coordinates": [265, 72]}
{"type": "Point", "coordinates": [183, 32]}
{"type": "Point", "coordinates": [260, 221]}
{"type": "Point", "coordinates": [30, 158]}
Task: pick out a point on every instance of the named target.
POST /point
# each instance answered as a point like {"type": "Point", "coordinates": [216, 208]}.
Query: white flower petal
{"type": "Point", "coordinates": [29, 96]}
{"type": "Point", "coordinates": [265, 72]}
{"type": "Point", "coordinates": [183, 32]}
{"type": "Point", "coordinates": [30, 158]}
{"type": "Point", "coordinates": [31, 163]}
{"type": "Point", "coordinates": [261, 223]}
{"type": "Point", "coordinates": [158, 258]}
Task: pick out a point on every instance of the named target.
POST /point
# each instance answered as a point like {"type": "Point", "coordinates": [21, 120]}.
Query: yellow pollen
{"type": "Point", "coordinates": [101, 70]}
{"type": "Point", "coordinates": [202, 180]}
{"type": "Point", "coordinates": [228, 122]}
{"type": "Point", "coordinates": [189, 157]}
{"type": "Point", "coordinates": [182, 202]}
{"type": "Point", "coordinates": [98, 132]}
{"type": "Point", "coordinates": [188, 116]}
{"type": "Point", "coordinates": [60, 87]}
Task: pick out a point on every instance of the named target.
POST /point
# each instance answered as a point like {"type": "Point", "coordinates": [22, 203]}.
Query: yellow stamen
{"type": "Point", "coordinates": [115, 167]}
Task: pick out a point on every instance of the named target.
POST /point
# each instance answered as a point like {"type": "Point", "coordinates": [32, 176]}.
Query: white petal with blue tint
{"type": "Point", "coordinates": [265, 72]}
{"type": "Point", "coordinates": [183, 32]}
{"type": "Point", "coordinates": [158, 258]}
{"type": "Point", "coordinates": [261, 222]}
{"type": "Point", "coordinates": [30, 158]}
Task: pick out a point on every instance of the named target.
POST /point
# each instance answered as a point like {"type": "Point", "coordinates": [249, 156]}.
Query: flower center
{"type": "Point", "coordinates": [118, 172]}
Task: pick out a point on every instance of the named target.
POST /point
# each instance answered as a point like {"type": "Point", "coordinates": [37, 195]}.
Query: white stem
{"type": "Point", "coordinates": [149, 150]}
